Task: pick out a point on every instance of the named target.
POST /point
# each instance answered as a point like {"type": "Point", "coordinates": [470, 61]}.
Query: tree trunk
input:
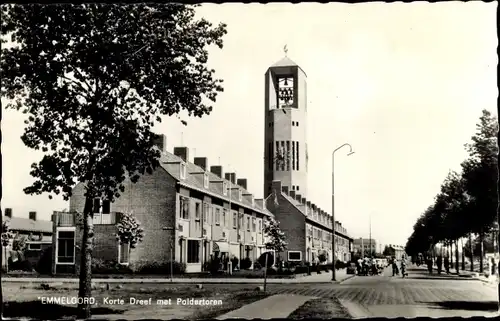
{"type": "Point", "coordinates": [456, 257]}
{"type": "Point", "coordinates": [481, 251]}
{"type": "Point", "coordinates": [85, 289]}
{"type": "Point", "coordinates": [463, 254]}
{"type": "Point", "coordinates": [471, 253]}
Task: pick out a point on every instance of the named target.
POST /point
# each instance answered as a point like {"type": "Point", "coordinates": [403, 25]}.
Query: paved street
{"type": "Point", "coordinates": [387, 296]}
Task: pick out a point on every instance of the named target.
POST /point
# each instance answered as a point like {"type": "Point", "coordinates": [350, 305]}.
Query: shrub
{"type": "Point", "coordinates": [270, 259]}
{"type": "Point", "coordinates": [19, 243]}
{"type": "Point", "coordinates": [146, 267]}
{"type": "Point", "coordinates": [100, 266]}
{"type": "Point", "coordinates": [214, 265]}
{"type": "Point", "coordinates": [301, 269]}
{"type": "Point", "coordinates": [322, 257]}
{"type": "Point", "coordinates": [44, 264]}
{"type": "Point", "coordinates": [339, 265]}
{"type": "Point", "coordinates": [19, 265]}
{"type": "Point", "coordinates": [256, 265]}
{"type": "Point", "coordinates": [234, 262]}
{"type": "Point", "coordinates": [246, 263]}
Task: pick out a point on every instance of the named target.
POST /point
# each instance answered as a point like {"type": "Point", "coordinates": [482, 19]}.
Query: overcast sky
{"type": "Point", "coordinates": [403, 83]}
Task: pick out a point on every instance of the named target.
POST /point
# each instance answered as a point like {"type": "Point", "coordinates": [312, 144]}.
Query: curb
{"type": "Point", "coordinates": [347, 278]}
{"type": "Point", "coordinates": [117, 281]}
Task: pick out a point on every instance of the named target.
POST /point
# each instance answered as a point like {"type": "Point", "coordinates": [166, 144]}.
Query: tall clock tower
{"type": "Point", "coordinates": [285, 130]}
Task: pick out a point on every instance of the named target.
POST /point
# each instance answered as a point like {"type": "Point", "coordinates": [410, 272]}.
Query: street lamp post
{"type": "Point", "coordinates": [333, 204]}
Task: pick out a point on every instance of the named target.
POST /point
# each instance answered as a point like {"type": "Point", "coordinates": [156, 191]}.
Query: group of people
{"type": "Point", "coordinates": [395, 268]}
{"type": "Point", "coordinates": [439, 264]}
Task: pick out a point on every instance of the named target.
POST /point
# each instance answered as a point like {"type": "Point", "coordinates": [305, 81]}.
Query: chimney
{"type": "Point", "coordinates": [182, 152]}
{"type": "Point", "coordinates": [231, 177]}
{"type": "Point", "coordinates": [308, 205]}
{"type": "Point", "coordinates": [284, 189]}
{"type": "Point", "coordinates": [8, 212]}
{"type": "Point", "coordinates": [298, 197]}
{"type": "Point", "coordinates": [160, 141]}
{"type": "Point", "coordinates": [217, 170]}
{"type": "Point", "coordinates": [303, 201]}
{"type": "Point", "coordinates": [242, 182]}
{"type": "Point", "coordinates": [313, 207]}
{"type": "Point", "coordinates": [201, 162]}
{"type": "Point", "coordinates": [292, 194]}
{"type": "Point", "coordinates": [32, 216]}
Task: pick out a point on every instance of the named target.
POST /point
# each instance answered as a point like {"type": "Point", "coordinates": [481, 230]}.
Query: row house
{"type": "Point", "coordinates": [308, 228]}
{"type": "Point", "coordinates": [38, 234]}
{"type": "Point", "coordinates": [189, 212]}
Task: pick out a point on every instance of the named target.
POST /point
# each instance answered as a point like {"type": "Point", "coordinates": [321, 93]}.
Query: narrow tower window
{"type": "Point", "coordinates": [293, 155]}
{"type": "Point", "coordinates": [276, 156]}
{"type": "Point", "coordinates": [287, 151]}
{"type": "Point", "coordinates": [298, 157]}
{"type": "Point", "coordinates": [283, 155]}
{"type": "Point", "coordinates": [270, 156]}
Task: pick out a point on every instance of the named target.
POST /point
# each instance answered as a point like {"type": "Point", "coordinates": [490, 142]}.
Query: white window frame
{"type": "Point", "coordinates": [235, 220]}
{"type": "Point", "coordinates": [98, 216]}
{"type": "Point", "coordinates": [198, 211]}
{"type": "Point", "coordinates": [217, 216]}
{"type": "Point", "coordinates": [294, 260]}
{"type": "Point", "coordinates": [119, 253]}
{"type": "Point", "coordinates": [205, 180]}
{"type": "Point", "coordinates": [183, 170]}
{"type": "Point", "coordinates": [224, 188]}
{"type": "Point", "coordinates": [65, 229]}
{"type": "Point", "coordinates": [32, 249]}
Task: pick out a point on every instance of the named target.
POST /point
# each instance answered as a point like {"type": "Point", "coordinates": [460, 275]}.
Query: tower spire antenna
{"type": "Point", "coordinates": [285, 49]}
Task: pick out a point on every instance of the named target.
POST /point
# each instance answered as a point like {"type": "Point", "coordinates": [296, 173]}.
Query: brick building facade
{"type": "Point", "coordinates": [307, 227]}
{"type": "Point", "coordinates": [183, 205]}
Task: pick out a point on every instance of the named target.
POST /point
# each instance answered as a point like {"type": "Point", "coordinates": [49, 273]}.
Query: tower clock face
{"type": "Point", "coordinates": [285, 91]}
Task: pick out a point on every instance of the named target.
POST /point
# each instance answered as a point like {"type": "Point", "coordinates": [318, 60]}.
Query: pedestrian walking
{"type": "Point", "coordinates": [429, 264]}
{"type": "Point", "coordinates": [439, 263]}
{"type": "Point", "coordinates": [447, 264]}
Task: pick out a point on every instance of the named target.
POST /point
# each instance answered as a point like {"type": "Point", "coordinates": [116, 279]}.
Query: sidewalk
{"type": "Point", "coordinates": [453, 274]}
{"type": "Point", "coordinates": [324, 277]}
{"type": "Point", "coordinates": [275, 306]}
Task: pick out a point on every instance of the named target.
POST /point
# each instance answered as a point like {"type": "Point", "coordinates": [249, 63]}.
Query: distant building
{"type": "Point", "coordinates": [205, 212]}
{"type": "Point", "coordinates": [362, 246]}
{"type": "Point", "coordinates": [38, 234]}
{"type": "Point", "coordinates": [397, 250]}
{"type": "Point", "coordinates": [307, 227]}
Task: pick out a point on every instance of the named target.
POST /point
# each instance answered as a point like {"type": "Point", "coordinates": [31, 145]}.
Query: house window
{"type": "Point", "coordinates": [193, 251]}
{"type": "Point", "coordinates": [102, 211]}
{"type": "Point", "coordinates": [260, 226]}
{"type": "Point", "coordinates": [296, 123]}
{"type": "Point", "coordinates": [197, 211]}
{"type": "Point", "coordinates": [293, 123]}
{"type": "Point", "coordinates": [184, 207]}
{"type": "Point", "coordinates": [241, 221]}
{"type": "Point", "coordinates": [248, 224]}
{"type": "Point", "coordinates": [254, 224]}
{"type": "Point", "coordinates": [35, 247]}
{"type": "Point", "coordinates": [123, 253]}
{"type": "Point", "coordinates": [217, 216]}
{"type": "Point", "coordinates": [297, 188]}
{"type": "Point", "coordinates": [65, 247]}
{"type": "Point", "coordinates": [183, 171]}
{"type": "Point", "coordinates": [294, 255]}
{"type": "Point", "coordinates": [283, 155]}
{"type": "Point", "coordinates": [224, 188]}
{"type": "Point", "coordinates": [224, 217]}
{"type": "Point", "coordinates": [298, 160]}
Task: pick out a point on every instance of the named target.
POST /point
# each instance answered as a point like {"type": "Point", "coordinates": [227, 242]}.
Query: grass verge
{"type": "Point", "coordinates": [25, 301]}
{"type": "Point", "coordinates": [322, 308]}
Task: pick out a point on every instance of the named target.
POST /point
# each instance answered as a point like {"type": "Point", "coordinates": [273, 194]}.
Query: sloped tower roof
{"type": "Point", "coordinates": [286, 62]}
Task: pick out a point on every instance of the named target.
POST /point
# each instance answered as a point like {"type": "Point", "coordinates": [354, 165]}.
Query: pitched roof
{"type": "Point", "coordinates": [298, 206]}
{"type": "Point", "coordinates": [191, 182]}
{"type": "Point", "coordinates": [25, 224]}
{"type": "Point", "coordinates": [286, 62]}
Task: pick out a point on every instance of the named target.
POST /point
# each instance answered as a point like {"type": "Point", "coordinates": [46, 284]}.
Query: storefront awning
{"type": "Point", "coordinates": [221, 247]}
